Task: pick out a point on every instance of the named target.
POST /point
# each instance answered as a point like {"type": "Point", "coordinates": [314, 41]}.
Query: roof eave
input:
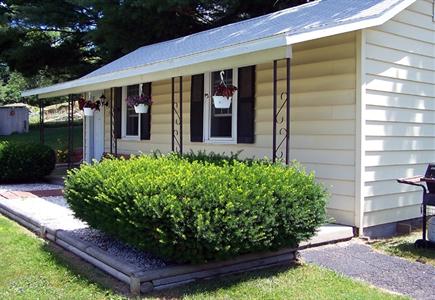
{"type": "Point", "coordinates": [280, 40]}
{"type": "Point", "coordinates": [70, 87]}
{"type": "Point", "coordinates": [348, 27]}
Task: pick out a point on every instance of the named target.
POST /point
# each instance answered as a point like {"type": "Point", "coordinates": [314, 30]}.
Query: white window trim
{"type": "Point", "coordinates": [207, 112]}
{"type": "Point", "coordinates": [433, 11]}
{"type": "Point", "coordinates": [124, 117]}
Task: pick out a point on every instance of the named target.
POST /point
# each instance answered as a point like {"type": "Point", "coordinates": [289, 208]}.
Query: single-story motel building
{"type": "Point", "coordinates": [360, 76]}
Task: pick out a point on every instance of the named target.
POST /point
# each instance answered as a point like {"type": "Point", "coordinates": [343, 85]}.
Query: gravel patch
{"type": "Point", "coordinates": [360, 261]}
{"type": "Point", "coordinates": [140, 259]}
{"type": "Point", "coordinates": [29, 187]}
{"type": "Point", "coordinates": [45, 212]}
{"type": "Point", "coordinates": [58, 200]}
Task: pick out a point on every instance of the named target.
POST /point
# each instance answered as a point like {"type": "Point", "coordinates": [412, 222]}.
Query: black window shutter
{"type": "Point", "coordinates": [117, 111]}
{"type": "Point", "coordinates": [145, 119]}
{"type": "Point", "coordinates": [197, 108]}
{"type": "Point", "coordinates": [246, 105]}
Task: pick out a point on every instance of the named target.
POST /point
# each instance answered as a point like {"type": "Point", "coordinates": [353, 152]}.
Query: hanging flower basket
{"type": "Point", "coordinates": [223, 94]}
{"type": "Point", "coordinates": [89, 106]}
{"type": "Point", "coordinates": [222, 101]}
{"type": "Point", "coordinates": [141, 108]}
{"type": "Point", "coordinates": [88, 112]}
{"type": "Point", "coordinates": [140, 103]}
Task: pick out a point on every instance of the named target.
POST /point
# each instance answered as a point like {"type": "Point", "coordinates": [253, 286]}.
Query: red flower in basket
{"type": "Point", "coordinates": [226, 90]}
{"type": "Point", "coordinates": [88, 103]}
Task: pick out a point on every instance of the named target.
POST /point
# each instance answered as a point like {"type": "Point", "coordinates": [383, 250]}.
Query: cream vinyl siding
{"type": "Point", "coordinates": [400, 112]}
{"type": "Point", "coordinates": [322, 118]}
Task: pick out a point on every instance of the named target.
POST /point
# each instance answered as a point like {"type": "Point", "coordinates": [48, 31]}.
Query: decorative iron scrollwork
{"type": "Point", "coordinates": [281, 117]}
{"type": "Point", "coordinates": [177, 118]}
{"type": "Point", "coordinates": [70, 129]}
{"type": "Point", "coordinates": [113, 140]}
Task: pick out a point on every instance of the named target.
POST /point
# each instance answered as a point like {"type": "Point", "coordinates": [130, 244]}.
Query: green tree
{"type": "Point", "coordinates": [68, 38]}
{"type": "Point", "coordinates": [12, 84]}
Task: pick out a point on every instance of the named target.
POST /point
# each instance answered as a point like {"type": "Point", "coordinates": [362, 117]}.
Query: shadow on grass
{"type": "Point", "coordinates": [403, 246]}
{"type": "Point", "coordinates": [84, 271]}
{"type": "Point", "coordinates": [223, 282]}
{"type": "Point", "coordinates": [89, 274]}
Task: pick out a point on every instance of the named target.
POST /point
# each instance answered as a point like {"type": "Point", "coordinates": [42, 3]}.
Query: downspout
{"type": "Point", "coordinates": [360, 124]}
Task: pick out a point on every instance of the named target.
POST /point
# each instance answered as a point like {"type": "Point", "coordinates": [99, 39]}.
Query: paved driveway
{"type": "Point", "coordinates": [360, 261]}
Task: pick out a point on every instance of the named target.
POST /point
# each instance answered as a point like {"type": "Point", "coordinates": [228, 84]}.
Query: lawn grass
{"type": "Point", "coordinates": [33, 269]}
{"type": "Point", "coordinates": [403, 246]}
{"type": "Point", "coordinates": [299, 282]}
{"type": "Point", "coordinates": [55, 137]}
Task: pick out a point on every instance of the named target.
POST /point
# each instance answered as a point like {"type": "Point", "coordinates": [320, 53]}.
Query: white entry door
{"type": "Point", "coordinates": [94, 129]}
{"type": "Point", "coordinates": [99, 133]}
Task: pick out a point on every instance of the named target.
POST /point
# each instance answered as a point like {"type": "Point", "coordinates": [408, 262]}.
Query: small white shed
{"type": "Point", "coordinates": [14, 119]}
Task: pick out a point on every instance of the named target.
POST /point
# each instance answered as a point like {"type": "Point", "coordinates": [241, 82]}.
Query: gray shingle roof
{"type": "Point", "coordinates": [289, 26]}
{"type": "Point", "coordinates": [312, 16]}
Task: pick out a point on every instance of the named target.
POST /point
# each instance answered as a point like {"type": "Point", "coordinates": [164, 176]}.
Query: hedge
{"type": "Point", "coordinates": [22, 162]}
{"type": "Point", "coordinates": [195, 211]}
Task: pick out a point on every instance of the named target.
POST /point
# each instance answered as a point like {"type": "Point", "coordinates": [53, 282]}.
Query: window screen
{"type": "Point", "coordinates": [132, 117]}
{"type": "Point", "coordinates": [221, 119]}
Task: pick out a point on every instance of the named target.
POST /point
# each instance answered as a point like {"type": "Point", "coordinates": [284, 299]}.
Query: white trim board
{"type": "Point", "coordinates": [360, 128]}
{"type": "Point", "coordinates": [194, 64]}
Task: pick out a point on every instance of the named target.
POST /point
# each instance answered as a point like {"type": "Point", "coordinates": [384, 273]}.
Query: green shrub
{"type": "Point", "coordinates": [21, 162]}
{"type": "Point", "coordinates": [213, 158]}
{"type": "Point", "coordinates": [218, 158]}
{"type": "Point", "coordinates": [197, 211]}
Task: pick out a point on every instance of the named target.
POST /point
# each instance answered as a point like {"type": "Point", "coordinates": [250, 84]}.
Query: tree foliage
{"type": "Point", "coordinates": [66, 39]}
{"type": "Point", "coordinates": [11, 85]}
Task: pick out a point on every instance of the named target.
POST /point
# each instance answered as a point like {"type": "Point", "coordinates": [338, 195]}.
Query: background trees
{"type": "Point", "coordinates": [58, 40]}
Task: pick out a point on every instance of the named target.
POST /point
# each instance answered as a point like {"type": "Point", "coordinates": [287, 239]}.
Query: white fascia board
{"type": "Point", "coordinates": [315, 34]}
{"type": "Point", "coordinates": [247, 53]}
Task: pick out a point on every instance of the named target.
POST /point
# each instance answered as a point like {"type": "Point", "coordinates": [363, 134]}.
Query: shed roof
{"type": "Point", "coordinates": [289, 26]}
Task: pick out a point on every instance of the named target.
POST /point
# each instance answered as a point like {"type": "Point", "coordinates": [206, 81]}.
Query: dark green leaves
{"type": "Point", "coordinates": [194, 210]}
{"type": "Point", "coordinates": [22, 162]}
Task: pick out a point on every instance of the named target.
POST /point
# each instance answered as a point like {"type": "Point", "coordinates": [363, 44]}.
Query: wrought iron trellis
{"type": "Point", "coordinates": [70, 129]}
{"type": "Point", "coordinates": [41, 121]}
{"type": "Point", "coordinates": [113, 138]}
{"type": "Point", "coordinates": [281, 116]}
{"type": "Point", "coordinates": [177, 118]}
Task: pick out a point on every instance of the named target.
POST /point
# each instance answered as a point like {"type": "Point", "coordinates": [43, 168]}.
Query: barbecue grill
{"type": "Point", "coordinates": [427, 183]}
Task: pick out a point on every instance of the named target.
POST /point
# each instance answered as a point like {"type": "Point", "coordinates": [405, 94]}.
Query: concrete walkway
{"type": "Point", "coordinates": [360, 261]}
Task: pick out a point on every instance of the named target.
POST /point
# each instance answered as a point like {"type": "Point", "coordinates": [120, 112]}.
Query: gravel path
{"type": "Point", "coordinates": [54, 213]}
{"type": "Point", "coordinates": [30, 187]}
{"type": "Point", "coordinates": [47, 212]}
{"type": "Point", "coordinates": [58, 200]}
{"type": "Point", "coordinates": [360, 261]}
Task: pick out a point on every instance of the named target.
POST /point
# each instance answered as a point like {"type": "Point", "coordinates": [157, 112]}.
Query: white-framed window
{"type": "Point", "coordinates": [220, 125]}
{"type": "Point", "coordinates": [130, 119]}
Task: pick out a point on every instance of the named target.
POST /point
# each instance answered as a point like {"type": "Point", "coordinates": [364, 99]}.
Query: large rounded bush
{"type": "Point", "coordinates": [192, 211]}
{"type": "Point", "coordinates": [21, 162]}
